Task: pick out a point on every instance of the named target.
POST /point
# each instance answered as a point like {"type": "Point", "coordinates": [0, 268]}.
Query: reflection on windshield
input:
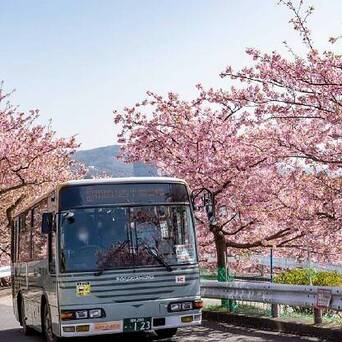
{"type": "Point", "coordinates": [108, 238]}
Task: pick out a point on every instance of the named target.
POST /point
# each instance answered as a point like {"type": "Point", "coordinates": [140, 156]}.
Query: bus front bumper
{"type": "Point", "coordinates": [114, 327]}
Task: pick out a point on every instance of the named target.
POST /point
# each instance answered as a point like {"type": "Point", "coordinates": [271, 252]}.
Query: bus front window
{"type": "Point", "coordinates": [121, 237]}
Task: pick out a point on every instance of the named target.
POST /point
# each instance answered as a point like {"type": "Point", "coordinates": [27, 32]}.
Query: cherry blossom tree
{"type": "Point", "coordinates": [300, 97]}
{"type": "Point", "coordinates": [268, 149]}
{"type": "Point", "coordinates": [299, 100]}
{"type": "Point", "coordinates": [32, 160]}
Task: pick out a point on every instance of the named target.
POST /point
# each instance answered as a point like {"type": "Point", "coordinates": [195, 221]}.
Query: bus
{"type": "Point", "coordinates": [106, 256]}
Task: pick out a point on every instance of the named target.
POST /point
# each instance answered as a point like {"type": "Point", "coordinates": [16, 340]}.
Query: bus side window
{"type": "Point", "coordinates": [14, 241]}
{"type": "Point", "coordinates": [52, 252]}
{"type": "Point", "coordinates": [25, 245]}
{"type": "Point", "coordinates": [17, 239]}
{"type": "Point", "coordinates": [40, 248]}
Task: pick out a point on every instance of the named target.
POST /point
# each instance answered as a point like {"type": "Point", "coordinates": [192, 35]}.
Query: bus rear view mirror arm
{"type": "Point", "coordinates": [47, 223]}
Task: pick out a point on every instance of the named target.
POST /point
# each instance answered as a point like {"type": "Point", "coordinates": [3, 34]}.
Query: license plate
{"type": "Point", "coordinates": [137, 324]}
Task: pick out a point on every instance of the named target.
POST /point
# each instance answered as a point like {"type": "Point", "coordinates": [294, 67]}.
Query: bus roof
{"type": "Point", "coordinates": [118, 180]}
{"type": "Point", "coordinates": [121, 180]}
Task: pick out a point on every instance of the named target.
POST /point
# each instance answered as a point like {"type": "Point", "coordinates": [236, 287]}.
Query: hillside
{"type": "Point", "coordinates": [103, 160]}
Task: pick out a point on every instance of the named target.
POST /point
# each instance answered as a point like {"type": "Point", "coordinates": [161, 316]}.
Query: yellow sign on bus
{"type": "Point", "coordinates": [83, 289]}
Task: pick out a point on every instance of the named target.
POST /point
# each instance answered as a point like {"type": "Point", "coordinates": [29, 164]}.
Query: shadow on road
{"type": "Point", "coordinates": [14, 335]}
{"type": "Point", "coordinates": [10, 331]}
{"type": "Point", "coordinates": [209, 332]}
{"type": "Point", "coordinates": [213, 332]}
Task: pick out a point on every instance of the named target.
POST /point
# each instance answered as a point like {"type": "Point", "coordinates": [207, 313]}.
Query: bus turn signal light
{"type": "Point", "coordinates": [65, 315]}
{"type": "Point", "coordinates": [198, 304]}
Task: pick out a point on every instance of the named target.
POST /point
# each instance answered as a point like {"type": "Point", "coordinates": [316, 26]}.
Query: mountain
{"type": "Point", "coordinates": [103, 160]}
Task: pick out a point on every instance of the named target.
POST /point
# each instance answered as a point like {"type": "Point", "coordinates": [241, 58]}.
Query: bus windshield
{"type": "Point", "coordinates": [93, 239]}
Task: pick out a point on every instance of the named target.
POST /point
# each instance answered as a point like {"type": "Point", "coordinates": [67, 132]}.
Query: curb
{"type": "Point", "coordinates": [273, 324]}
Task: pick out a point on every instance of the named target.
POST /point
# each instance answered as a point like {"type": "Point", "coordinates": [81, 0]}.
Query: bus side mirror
{"type": "Point", "coordinates": [47, 223]}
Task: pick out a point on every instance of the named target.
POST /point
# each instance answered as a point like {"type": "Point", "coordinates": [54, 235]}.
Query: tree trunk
{"type": "Point", "coordinates": [221, 258]}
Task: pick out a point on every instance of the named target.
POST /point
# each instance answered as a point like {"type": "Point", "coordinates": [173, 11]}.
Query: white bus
{"type": "Point", "coordinates": [107, 256]}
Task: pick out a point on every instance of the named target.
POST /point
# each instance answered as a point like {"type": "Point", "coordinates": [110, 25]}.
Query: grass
{"type": "Point", "coordinates": [329, 318]}
{"type": "Point", "coordinates": [248, 310]}
{"type": "Point", "coordinates": [333, 319]}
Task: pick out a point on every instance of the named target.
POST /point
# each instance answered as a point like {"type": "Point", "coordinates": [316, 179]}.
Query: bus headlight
{"type": "Point", "coordinates": [67, 315]}
{"type": "Point", "coordinates": [175, 307]}
{"type": "Point", "coordinates": [95, 313]}
{"type": "Point", "coordinates": [82, 314]}
{"type": "Point", "coordinates": [187, 306]}
{"type": "Point", "coordinates": [182, 306]}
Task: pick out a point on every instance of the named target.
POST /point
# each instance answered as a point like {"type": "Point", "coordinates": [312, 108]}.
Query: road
{"type": "Point", "coordinates": [209, 332]}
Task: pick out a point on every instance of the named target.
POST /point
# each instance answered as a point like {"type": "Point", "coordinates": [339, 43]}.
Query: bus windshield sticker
{"type": "Point", "coordinates": [180, 279]}
{"type": "Point", "coordinates": [182, 253]}
{"type": "Point", "coordinates": [164, 230]}
{"type": "Point", "coordinates": [83, 289]}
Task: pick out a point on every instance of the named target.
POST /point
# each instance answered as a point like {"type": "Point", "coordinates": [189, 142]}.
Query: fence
{"type": "Point", "coordinates": [287, 263]}
{"type": "Point", "coordinates": [314, 297]}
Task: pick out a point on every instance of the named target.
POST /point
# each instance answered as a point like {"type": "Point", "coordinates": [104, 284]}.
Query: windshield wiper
{"type": "Point", "coordinates": [99, 272]}
{"type": "Point", "coordinates": [154, 253]}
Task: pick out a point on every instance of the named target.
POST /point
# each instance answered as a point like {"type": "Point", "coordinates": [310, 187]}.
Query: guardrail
{"type": "Point", "coordinates": [314, 297]}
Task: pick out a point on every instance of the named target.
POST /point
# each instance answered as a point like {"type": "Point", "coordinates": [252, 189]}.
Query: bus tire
{"type": "Point", "coordinates": [47, 325]}
{"type": "Point", "coordinates": [166, 333]}
{"type": "Point", "coordinates": [26, 329]}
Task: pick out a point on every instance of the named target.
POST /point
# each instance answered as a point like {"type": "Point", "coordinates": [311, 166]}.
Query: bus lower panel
{"type": "Point", "coordinates": [89, 328]}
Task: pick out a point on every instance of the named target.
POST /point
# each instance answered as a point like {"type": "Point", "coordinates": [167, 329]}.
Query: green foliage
{"type": "Point", "coordinates": [305, 276]}
{"type": "Point", "coordinates": [328, 279]}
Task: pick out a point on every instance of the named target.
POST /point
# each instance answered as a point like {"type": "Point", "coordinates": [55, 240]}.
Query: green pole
{"type": "Point", "coordinates": [222, 277]}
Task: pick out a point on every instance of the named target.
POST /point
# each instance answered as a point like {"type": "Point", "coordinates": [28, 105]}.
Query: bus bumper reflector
{"type": "Point", "coordinates": [187, 319]}
{"type": "Point", "coordinates": [69, 329]}
{"type": "Point", "coordinates": [82, 328]}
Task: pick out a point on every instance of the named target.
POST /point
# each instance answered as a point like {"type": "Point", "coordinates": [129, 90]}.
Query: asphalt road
{"type": "Point", "coordinates": [10, 331]}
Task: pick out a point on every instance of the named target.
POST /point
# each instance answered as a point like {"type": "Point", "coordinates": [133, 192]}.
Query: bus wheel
{"type": "Point", "coordinates": [47, 325]}
{"type": "Point", "coordinates": [166, 333]}
{"type": "Point", "coordinates": [26, 329]}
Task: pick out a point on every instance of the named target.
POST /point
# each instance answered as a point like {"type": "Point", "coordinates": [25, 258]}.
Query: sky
{"type": "Point", "coordinates": [78, 60]}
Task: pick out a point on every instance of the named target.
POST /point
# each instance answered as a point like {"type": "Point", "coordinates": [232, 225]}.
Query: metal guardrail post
{"type": "Point", "coordinates": [222, 277]}
{"type": "Point", "coordinates": [317, 316]}
{"type": "Point", "coordinates": [275, 310]}
{"type": "Point", "coordinates": [274, 307]}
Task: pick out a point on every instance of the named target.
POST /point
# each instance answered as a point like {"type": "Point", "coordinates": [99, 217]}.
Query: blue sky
{"type": "Point", "coordinates": [77, 60]}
